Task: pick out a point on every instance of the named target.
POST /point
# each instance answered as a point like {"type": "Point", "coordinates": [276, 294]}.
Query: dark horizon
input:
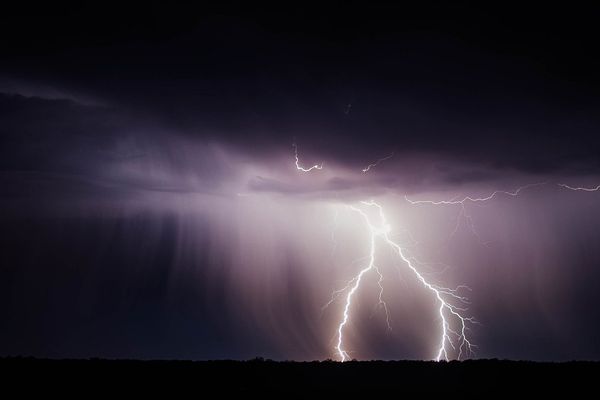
{"type": "Point", "coordinates": [306, 379]}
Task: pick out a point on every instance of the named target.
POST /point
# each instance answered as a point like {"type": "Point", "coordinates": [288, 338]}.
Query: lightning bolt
{"type": "Point", "coordinates": [452, 307]}
{"type": "Point", "coordinates": [301, 168]}
{"type": "Point", "coordinates": [368, 167]}
{"type": "Point", "coordinates": [447, 298]}
{"type": "Point", "coordinates": [454, 325]}
{"type": "Point", "coordinates": [464, 215]}
{"type": "Point", "coordinates": [585, 189]}
{"type": "Point", "coordinates": [466, 199]}
{"type": "Point", "coordinates": [354, 284]}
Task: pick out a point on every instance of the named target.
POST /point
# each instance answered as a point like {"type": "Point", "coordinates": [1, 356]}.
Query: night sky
{"type": "Point", "coordinates": [151, 207]}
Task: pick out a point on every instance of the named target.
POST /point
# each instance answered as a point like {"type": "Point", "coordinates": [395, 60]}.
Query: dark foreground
{"type": "Point", "coordinates": [292, 379]}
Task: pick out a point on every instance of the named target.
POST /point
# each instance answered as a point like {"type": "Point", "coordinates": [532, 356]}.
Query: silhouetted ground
{"type": "Point", "coordinates": [213, 379]}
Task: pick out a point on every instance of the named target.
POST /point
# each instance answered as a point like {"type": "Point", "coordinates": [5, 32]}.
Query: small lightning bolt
{"type": "Point", "coordinates": [464, 215]}
{"type": "Point", "coordinates": [453, 323]}
{"type": "Point", "coordinates": [495, 193]}
{"type": "Point", "coordinates": [585, 189]}
{"type": "Point", "coordinates": [299, 167]}
{"type": "Point", "coordinates": [368, 167]}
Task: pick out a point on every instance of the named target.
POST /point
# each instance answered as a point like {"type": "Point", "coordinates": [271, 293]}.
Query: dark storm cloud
{"type": "Point", "coordinates": [28, 89]}
{"type": "Point", "coordinates": [63, 149]}
{"type": "Point", "coordinates": [67, 150]}
{"type": "Point", "coordinates": [501, 93]}
{"type": "Point", "coordinates": [509, 99]}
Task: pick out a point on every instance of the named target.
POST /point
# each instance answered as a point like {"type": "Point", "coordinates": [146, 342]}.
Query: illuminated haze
{"type": "Point", "coordinates": [159, 212]}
